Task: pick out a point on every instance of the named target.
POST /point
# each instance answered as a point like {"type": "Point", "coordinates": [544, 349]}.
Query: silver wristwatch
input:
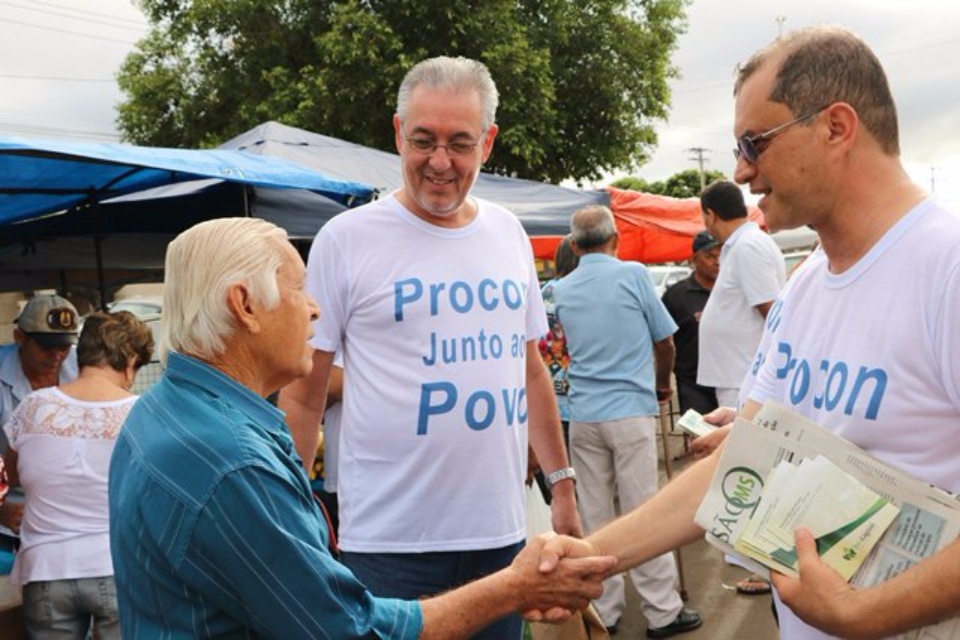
{"type": "Point", "coordinates": [560, 474]}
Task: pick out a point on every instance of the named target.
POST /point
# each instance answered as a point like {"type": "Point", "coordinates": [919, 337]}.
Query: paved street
{"type": "Point", "coordinates": [709, 585]}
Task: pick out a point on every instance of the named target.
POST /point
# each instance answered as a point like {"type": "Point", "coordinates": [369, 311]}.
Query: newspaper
{"type": "Point", "coordinates": [929, 518]}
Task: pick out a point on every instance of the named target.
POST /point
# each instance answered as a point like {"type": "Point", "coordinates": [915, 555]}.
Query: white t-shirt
{"type": "Point", "coordinates": [872, 353]}
{"type": "Point", "coordinates": [433, 324]}
{"type": "Point", "coordinates": [63, 450]}
{"type": "Point", "coordinates": [752, 272]}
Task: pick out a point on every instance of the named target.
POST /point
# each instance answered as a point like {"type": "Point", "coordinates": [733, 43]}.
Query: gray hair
{"type": "Point", "coordinates": [592, 227]}
{"type": "Point", "coordinates": [460, 75]}
{"type": "Point", "coordinates": [202, 263]}
{"type": "Point", "coordinates": [822, 65]}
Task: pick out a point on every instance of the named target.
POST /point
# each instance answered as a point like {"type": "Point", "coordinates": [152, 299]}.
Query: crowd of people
{"type": "Point", "coordinates": [188, 512]}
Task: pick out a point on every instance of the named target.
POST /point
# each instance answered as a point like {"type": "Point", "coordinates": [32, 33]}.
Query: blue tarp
{"type": "Point", "coordinates": [39, 177]}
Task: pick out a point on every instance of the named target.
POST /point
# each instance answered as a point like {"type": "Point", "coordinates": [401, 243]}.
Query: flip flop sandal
{"type": "Point", "coordinates": [753, 586]}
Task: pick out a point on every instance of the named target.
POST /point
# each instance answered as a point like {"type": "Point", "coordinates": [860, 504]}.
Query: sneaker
{"type": "Point", "coordinates": [686, 620]}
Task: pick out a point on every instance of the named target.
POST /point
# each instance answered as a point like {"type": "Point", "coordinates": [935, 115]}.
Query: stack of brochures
{"type": "Point", "coordinates": [845, 517]}
{"type": "Point", "coordinates": [781, 471]}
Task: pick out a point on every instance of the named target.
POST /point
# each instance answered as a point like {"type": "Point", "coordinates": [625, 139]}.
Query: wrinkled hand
{"type": "Point", "coordinates": [573, 579]}
{"type": "Point", "coordinates": [819, 596]}
{"type": "Point", "coordinates": [11, 515]}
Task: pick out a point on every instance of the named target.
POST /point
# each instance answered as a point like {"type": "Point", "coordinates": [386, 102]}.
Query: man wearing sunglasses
{"type": "Point", "coordinates": [42, 356]}
{"type": "Point", "coordinates": [864, 341]}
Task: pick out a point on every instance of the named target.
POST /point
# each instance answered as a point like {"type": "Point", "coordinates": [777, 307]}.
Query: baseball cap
{"type": "Point", "coordinates": [703, 241]}
{"type": "Point", "coordinates": [50, 320]}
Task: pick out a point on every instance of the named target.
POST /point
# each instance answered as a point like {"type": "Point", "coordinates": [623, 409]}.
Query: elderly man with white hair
{"type": "Point", "coordinates": [214, 529]}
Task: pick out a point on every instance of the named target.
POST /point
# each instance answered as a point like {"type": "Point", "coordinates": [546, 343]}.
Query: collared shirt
{"type": "Point", "coordinates": [214, 530]}
{"type": "Point", "coordinates": [14, 385]}
{"type": "Point", "coordinates": [685, 302]}
{"type": "Point", "coordinates": [612, 316]}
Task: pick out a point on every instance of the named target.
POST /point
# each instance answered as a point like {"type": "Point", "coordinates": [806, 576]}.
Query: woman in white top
{"type": "Point", "coordinates": [61, 439]}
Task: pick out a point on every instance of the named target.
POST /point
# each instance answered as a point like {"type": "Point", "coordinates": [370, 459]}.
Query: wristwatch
{"type": "Point", "coordinates": [560, 474]}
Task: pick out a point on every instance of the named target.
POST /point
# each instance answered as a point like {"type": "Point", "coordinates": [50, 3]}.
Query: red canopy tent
{"type": "Point", "coordinates": [652, 228]}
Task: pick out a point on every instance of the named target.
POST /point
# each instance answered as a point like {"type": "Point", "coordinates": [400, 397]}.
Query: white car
{"type": "Point", "coordinates": [666, 275]}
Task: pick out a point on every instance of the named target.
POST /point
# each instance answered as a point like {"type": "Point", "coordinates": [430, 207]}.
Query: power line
{"type": "Point", "coordinates": [38, 130]}
{"type": "Point", "coordinates": [60, 14]}
{"type": "Point", "coordinates": [88, 12]}
{"type": "Point", "coordinates": [14, 76]}
{"type": "Point", "coordinates": [67, 31]}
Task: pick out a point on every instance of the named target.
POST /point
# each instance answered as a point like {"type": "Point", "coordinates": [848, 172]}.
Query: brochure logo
{"type": "Point", "coordinates": [741, 488]}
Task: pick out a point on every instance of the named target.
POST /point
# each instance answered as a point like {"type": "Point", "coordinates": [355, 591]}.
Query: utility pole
{"type": "Point", "coordinates": [780, 22]}
{"type": "Point", "coordinates": [697, 155]}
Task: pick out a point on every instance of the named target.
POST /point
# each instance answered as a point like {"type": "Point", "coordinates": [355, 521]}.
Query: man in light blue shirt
{"type": "Point", "coordinates": [214, 530]}
{"type": "Point", "coordinates": [621, 351]}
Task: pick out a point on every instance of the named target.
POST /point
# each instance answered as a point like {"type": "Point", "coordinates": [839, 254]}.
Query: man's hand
{"type": "Point", "coordinates": [723, 418]}
{"type": "Point", "coordinates": [572, 582]}
{"type": "Point", "coordinates": [705, 445]}
{"type": "Point", "coordinates": [819, 596]}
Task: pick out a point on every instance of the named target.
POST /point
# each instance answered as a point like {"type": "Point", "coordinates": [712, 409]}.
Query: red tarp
{"type": "Point", "coordinates": [652, 228]}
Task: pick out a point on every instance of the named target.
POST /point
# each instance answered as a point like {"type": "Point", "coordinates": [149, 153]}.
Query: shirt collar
{"type": "Point", "coordinates": [219, 384]}
{"type": "Point", "coordinates": [739, 232]}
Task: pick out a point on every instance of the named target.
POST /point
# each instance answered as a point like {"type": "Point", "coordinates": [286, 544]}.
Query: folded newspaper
{"type": "Point", "coordinates": [928, 518]}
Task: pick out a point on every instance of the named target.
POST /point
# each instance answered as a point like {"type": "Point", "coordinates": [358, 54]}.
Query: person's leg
{"type": "Point", "coordinates": [634, 443]}
{"type": "Point", "coordinates": [703, 400]}
{"type": "Point", "coordinates": [593, 462]}
{"type": "Point", "coordinates": [404, 575]}
{"type": "Point", "coordinates": [98, 596]}
{"type": "Point", "coordinates": [415, 575]}
{"type": "Point", "coordinates": [476, 564]}
{"type": "Point", "coordinates": [50, 611]}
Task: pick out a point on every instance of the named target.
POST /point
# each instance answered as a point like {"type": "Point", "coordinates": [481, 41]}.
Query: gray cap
{"type": "Point", "coordinates": [50, 320]}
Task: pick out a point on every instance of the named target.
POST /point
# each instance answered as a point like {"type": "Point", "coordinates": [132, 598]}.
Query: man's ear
{"type": "Point", "coordinates": [576, 248]}
{"type": "Point", "coordinates": [241, 306]}
{"type": "Point", "coordinates": [18, 335]}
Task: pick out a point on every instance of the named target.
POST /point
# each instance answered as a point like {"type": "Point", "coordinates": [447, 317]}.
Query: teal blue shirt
{"type": "Point", "coordinates": [214, 531]}
{"type": "Point", "coordinates": [612, 316]}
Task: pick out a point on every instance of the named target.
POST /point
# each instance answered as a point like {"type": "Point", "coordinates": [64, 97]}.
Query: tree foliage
{"type": "Point", "coordinates": [581, 83]}
{"type": "Point", "coordinates": [685, 184]}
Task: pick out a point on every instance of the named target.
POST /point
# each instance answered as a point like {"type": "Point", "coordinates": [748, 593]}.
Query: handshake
{"type": "Point", "coordinates": [555, 576]}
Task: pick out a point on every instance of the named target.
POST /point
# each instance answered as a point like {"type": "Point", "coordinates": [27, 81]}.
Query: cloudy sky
{"type": "Point", "coordinates": [58, 59]}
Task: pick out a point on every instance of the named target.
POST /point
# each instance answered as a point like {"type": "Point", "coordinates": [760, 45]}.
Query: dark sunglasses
{"type": "Point", "coordinates": [747, 146]}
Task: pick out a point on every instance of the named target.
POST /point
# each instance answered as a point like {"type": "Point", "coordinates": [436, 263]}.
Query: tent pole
{"type": "Point", "coordinates": [246, 201]}
{"type": "Point", "coordinates": [98, 252]}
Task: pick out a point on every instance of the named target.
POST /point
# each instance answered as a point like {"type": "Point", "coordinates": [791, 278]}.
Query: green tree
{"type": "Point", "coordinates": [685, 184]}
{"type": "Point", "coordinates": [581, 83]}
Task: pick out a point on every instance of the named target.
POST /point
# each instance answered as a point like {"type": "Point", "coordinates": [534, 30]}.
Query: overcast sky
{"type": "Point", "coordinates": [58, 59]}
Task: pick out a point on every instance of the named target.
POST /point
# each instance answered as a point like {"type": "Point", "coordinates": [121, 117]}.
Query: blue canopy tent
{"type": "Point", "coordinates": [52, 194]}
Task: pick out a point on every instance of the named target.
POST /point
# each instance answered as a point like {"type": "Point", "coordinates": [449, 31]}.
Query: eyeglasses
{"type": "Point", "coordinates": [748, 146]}
{"type": "Point", "coordinates": [427, 146]}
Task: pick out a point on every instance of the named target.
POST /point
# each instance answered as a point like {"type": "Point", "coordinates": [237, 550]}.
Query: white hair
{"type": "Point", "coordinates": [202, 263]}
{"type": "Point", "coordinates": [460, 75]}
